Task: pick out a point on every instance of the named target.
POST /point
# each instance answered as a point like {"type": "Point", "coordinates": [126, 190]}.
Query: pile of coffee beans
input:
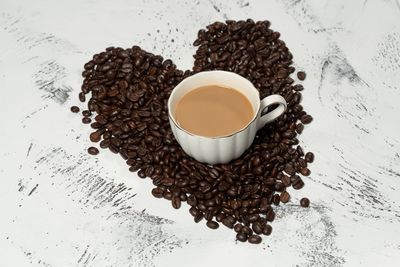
{"type": "Point", "coordinates": [127, 108]}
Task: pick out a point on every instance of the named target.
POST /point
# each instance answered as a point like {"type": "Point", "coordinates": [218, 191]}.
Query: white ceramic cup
{"type": "Point", "coordinates": [222, 149]}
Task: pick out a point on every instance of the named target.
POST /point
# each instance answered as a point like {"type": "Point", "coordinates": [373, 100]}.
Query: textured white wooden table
{"type": "Point", "coordinates": [62, 207]}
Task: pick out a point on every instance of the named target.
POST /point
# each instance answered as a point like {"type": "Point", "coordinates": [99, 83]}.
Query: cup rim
{"type": "Point", "coordinates": [171, 117]}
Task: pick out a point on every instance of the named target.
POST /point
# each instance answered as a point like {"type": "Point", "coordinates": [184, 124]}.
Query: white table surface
{"type": "Point", "coordinates": [62, 207]}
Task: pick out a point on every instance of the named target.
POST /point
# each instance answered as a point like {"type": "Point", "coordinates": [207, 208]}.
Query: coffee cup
{"type": "Point", "coordinates": [222, 149]}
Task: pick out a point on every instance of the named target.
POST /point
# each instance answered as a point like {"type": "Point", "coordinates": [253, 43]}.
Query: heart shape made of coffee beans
{"type": "Point", "coordinates": [129, 92]}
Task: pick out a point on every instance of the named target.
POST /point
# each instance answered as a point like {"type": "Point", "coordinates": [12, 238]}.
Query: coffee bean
{"type": "Point", "coordinates": [167, 195]}
{"type": "Point", "coordinates": [299, 128]}
{"type": "Point", "coordinates": [306, 119]}
{"type": "Point", "coordinates": [238, 227]}
{"type": "Point", "coordinates": [270, 216]}
{"type": "Point", "coordinates": [298, 87]}
{"type": "Point", "coordinates": [105, 144]}
{"type": "Point", "coordinates": [228, 221]}
{"type": "Point", "coordinates": [276, 199]}
{"type": "Point", "coordinates": [86, 120]}
{"type": "Point", "coordinates": [305, 171]}
{"type": "Point", "coordinates": [298, 184]}
{"type": "Point", "coordinates": [255, 239]}
{"type": "Point", "coordinates": [198, 218]}
{"type": "Point", "coordinates": [93, 151]}
{"type": "Point", "coordinates": [304, 202]}
{"type": "Point", "coordinates": [157, 192]}
{"type": "Point", "coordinates": [86, 113]}
{"type": "Point", "coordinates": [212, 225]}
{"type": "Point", "coordinates": [95, 137]}
{"type": "Point", "coordinates": [194, 211]}
{"type": "Point", "coordinates": [82, 97]}
{"type": "Point", "coordinates": [286, 180]}
{"type": "Point", "coordinates": [74, 109]}
{"type": "Point", "coordinates": [285, 197]}
{"type": "Point", "coordinates": [176, 202]}
{"type": "Point", "coordinates": [267, 229]}
{"type": "Point", "coordinates": [142, 173]}
{"type": "Point", "coordinates": [257, 228]}
{"type": "Point", "coordinates": [301, 75]}
{"type": "Point", "coordinates": [289, 169]}
{"type": "Point", "coordinates": [241, 237]}
{"type": "Point", "coordinates": [309, 157]}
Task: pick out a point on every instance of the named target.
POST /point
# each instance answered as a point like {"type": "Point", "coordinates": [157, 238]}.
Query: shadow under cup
{"type": "Point", "coordinates": [221, 149]}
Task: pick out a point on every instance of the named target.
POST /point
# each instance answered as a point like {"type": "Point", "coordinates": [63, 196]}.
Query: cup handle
{"type": "Point", "coordinates": [271, 115]}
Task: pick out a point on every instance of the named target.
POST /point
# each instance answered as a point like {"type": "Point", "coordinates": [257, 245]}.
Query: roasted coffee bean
{"type": "Point", "coordinates": [105, 144]}
{"type": "Point", "coordinates": [167, 195]}
{"type": "Point", "coordinates": [142, 173]}
{"type": "Point", "coordinates": [257, 228]}
{"type": "Point", "coordinates": [86, 120]}
{"type": "Point", "coordinates": [74, 109]}
{"type": "Point", "coordinates": [309, 157]}
{"type": "Point", "coordinates": [129, 90]}
{"type": "Point", "coordinates": [95, 137]}
{"type": "Point", "coordinates": [86, 113]}
{"type": "Point", "coordinates": [247, 230]}
{"type": "Point", "coordinates": [270, 216]}
{"type": "Point", "coordinates": [289, 169]}
{"type": "Point", "coordinates": [198, 218]}
{"type": "Point", "coordinates": [298, 184]}
{"type": "Point", "coordinates": [299, 128]}
{"type": "Point", "coordinates": [298, 87]}
{"type": "Point", "coordinates": [228, 221]}
{"type": "Point", "coordinates": [276, 199]}
{"type": "Point", "coordinates": [157, 192]}
{"type": "Point", "coordinates": [305, 171]}
{"type": "Point", "coordinates": [306, 119]}
{"type": "Point", "coordinates": [93, 151]}
{"type": "Point", "coordinates": [304, 202]}
{"type": "Point", "coordinates": [241, 237]}
{"type": "Point", "coordinates": [212, 225]}
{"type": "Point", "coordinates": [301, 75]}
{"type": "Point", "coordinates": [285, 197]}
{"type": "Point", "coordinates": [176, 202]}
{"type": "Point", "coordinates": [238, 227]}
{"type": "Point", "coordinates": [267, 229]}
{"type": "Point", "coordinates": [82, 97]}
{"type": "Point", "coordinates": [286, 180]}
{"type": "Point", "coordinates": [255, 239]}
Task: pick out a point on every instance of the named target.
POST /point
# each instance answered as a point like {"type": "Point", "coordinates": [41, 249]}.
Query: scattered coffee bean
{"type": "Point", "coordinates": [82, 97]}
{"type": "Point", "coordinates": [212, 224]}
{"type": "Point", "coordinates": [305, 171]}
{"type": "Point", "coordinates": [306, 119]}
{"type": "Point", "coordinates": [241, 237]}
{"type": "Point", "coordinates": [93, 151]}
{"type": "Point", "coordinates": [285, 197]}
{"type": "Point", "coordinates": [95, 137]}
{"type": "Point", "coordinates": [86, 120]}
{"type": "Point", "coordinates": [157, 192]}
{"type": "Point", "coordinates": [255, 239]}
{"type": "Point", "coordinates": [74, 109]}
{"type": "Point", "coordinates": [309, 157]}
{"type": "Point", "coordinates": [301, 75]}
{"type": "Point", "coordinates": [304, 202]}
{"type": "Point", "coordinates": [127, 92]}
